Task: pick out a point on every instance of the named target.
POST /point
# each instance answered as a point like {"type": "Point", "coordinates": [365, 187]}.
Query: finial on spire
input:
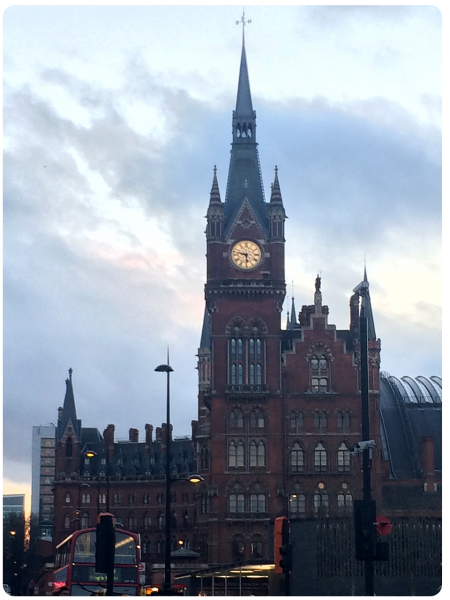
{"type": "Point", "coordinates": [243, 21]}
{"type": "Point", "coordinates": [215, 170]}
{"type": "Point", "coordinates": [70, 373]}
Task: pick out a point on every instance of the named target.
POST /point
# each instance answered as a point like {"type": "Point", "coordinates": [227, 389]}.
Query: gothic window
{"type": "Point", "coordinates": [236, 420]}
{"type": "Point", "coordinates": [321, 505]}
{"type": "Point", "coordinates": [320, 420]}
{"type": "Point", "coordinates": [257, 454]}
{"type": "Point", "coordinates": [205, 504]}
{"type": "Point", "coordinates": [160, 520]}
{"type": "Point", "coordinates": [85, 521]}
{"type": "Point", "coordinates": [297, 504]}
{"type": "Point", "coordinates": [185, 519]}
{"type": "Point", "coordinates": [160, 498]}
{"type": "Point", "coordinates": [146, 547]}
{"type": "Point", "coordinates": [297, 458]}
{"type": "Point", "coordinates": [160, 545]}
{"type": "Point", "coordinates": [246, 354]}
{"type": "Point", "coordinates": [120, 461]}
{"type": "Point", "coordinates": [117, 499]}
{"type": "Point", "coordinates": [256, 547]}
{"type": "Point", "coordinates": [319, 369]}
{"type": "Point", "coordinates": [184, 497]}
{"type": "Point", "coordinates": [102, 498]}
{"type": "Point", "coordinates": [236, 454]}
{"type": "Point", "coordinates": [147, 521]}
{"type": "Point", "coordinates": [345, 504]}
{"type": "Point", "coordinates": [67, 522]}
{"type": "Point", "coordinates": [85, 499]}
{"type": "Point", "coordinates": [320, 458]}
{"type": "Point", "coordinates": [132, 521]}
{"type": "Point", "coordinates": [67, 498]}
{"type": "Point", "coordinates": [256, 419]}
{"type": "Point", "coordinates": [296, 421]}
{"type": "Point", "coordinates": [173, 520]}
{"type": "Point", "coordinates": [69, 447]}
{"type": "Point", "coordinates": [146, 498]}
{"type": "Point", "coordinates": [236, 503]}
{"type": "Point", "coordinates": [131, 499]}
{"type": "Point", "coordinates": [343, 458]}
{"type": "Point", "coordinates": [257, 503]}
{"type": "Point", "coordinates": [343, 421]}
{"type": "Point", "coordinates": [238, 548]}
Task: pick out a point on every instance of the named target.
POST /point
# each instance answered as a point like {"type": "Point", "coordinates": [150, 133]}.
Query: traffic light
{"type": "Point", "coordinates": [365, 531]}
{"type": "Point", "coordinates": [282, 546]}
{"type": "Point", "coordinates": [105, 544]}
{"type": "Point", "coordinates": [278, 542]}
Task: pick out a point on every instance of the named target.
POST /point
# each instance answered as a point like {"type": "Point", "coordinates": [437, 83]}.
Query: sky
{"type": "Point", "coordinates": [114, 118]}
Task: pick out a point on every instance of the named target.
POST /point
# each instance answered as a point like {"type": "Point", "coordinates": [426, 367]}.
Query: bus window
{"type": "Point", "coordinates": [85, 548]}
{"type": "Point", "coordinates": [125, 549]}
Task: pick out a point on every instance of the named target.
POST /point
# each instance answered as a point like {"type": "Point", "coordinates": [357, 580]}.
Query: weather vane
{"type": "Point", "coordinates": [243, 21]}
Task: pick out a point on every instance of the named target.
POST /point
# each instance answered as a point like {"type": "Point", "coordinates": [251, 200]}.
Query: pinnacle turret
{"type": "Point", "coordinates": [215, 193]}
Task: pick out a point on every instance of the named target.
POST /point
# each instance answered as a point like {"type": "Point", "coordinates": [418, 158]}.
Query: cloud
{"type": "Point", "coordinates": [104, 249]}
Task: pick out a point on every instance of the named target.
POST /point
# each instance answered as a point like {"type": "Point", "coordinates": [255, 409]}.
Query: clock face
{"type": "Point", "coordinates": [246, 254]}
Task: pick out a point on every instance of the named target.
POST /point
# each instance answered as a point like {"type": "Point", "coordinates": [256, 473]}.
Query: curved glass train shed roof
{"type": "Point", "coordinates": [410, 409]}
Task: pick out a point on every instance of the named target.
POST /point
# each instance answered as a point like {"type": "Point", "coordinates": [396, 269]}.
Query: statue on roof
{"type": "Point", "coordinates": [318, 280]}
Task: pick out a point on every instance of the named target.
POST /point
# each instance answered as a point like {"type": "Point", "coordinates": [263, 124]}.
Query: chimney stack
{"type": "Point", "coordinates": [133, 435]}
{"type": "Point", "coordinates": [108, 436]}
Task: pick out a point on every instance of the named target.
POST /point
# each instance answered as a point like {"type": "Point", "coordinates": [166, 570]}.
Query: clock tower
{"type": "Point", "coordinates": [239, 358]}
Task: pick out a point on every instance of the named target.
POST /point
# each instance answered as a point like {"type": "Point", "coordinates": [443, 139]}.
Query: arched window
{"type": "Point", "coordinates": [147, 521]}
{"type": "Point", "coordinates": [238, 548]}
{"type": "Point", "coordinates": [297, 504]}
{"type": "Point", "coordinates": [297, 458]}
{"type": "Point", "coordinates": [321, 505]}
{"type": "Point", "coordinates": [67, 522]}
{"type": "Point", "coordinates": [345, 504]}
{"type": "Point", "coordinates": [257, 454]}
{"type": "Point", "coordinates": [343, 458]}
{"type": "Point", "coordinates": [117, 499]}
{"type": "Point", "coordinates": [132, 521]}
{"type": "Point", "coordinates": [256, 419]}
{"type": "Point", "coordinates": [236, 454]}
{"type": "Point", "coordinates": [185, 519]}
{"type": "Point", "coordinates": [343, 421]}
{"type": "Point", "coordinates": [236, 503]}
{"type": "Point", "coordinates": [296, 421]}
{"type": "Point", "coordinates": [146, 498]}
{"type": "Point", "coordinates": [146, 547]}
{"type": "Point", "coordinates": [204, 457]}
{"type": "Point", "coordinates": [131, 499]}
{"type": "Point", "coordinates": [85, 521]}
{"type": "Point", "coordinates": [236, 419]}
{"type": "Point", "coordinates": [205, 504]}
{"type": "Point", "coordinates": [257, 503]}
{"type": "Point", "coordinates": [160, 520]}
{"type": "Point", "coordinates": [256, 548]}
{"type": "Point", "coordinates": [102, 498]}
{"type": "Point", "coordinates": [173, 520]}
{"type": "Point", "coordinates": [320, 420]}
{"type": "Point", "coordinates": [319, 369]}
{"type": "Point", "coordinates": [320, 458]}
{"type": "Point", "coordinates": [67, 499]}
{"type": "Point", "coordinates": [160, 546]}
{"type": "Point", "coordinates": [69, 447]}
{"type": "Point", "coordinates": [85, 499]}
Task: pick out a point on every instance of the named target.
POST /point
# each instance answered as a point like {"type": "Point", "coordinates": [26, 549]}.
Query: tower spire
{"type": "Point", "coordinates": [244, 105]}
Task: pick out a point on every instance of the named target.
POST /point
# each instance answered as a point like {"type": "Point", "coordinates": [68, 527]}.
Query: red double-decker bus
{"type": "Point", "coordinates": [75, 573]}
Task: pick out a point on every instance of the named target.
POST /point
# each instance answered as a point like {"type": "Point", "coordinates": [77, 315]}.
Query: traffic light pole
{"type": "Point", "coordinates": [364, 358]}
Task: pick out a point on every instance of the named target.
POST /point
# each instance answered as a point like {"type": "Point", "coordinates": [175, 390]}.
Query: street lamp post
{"type": "Point", "coordinates": [167, 587]}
